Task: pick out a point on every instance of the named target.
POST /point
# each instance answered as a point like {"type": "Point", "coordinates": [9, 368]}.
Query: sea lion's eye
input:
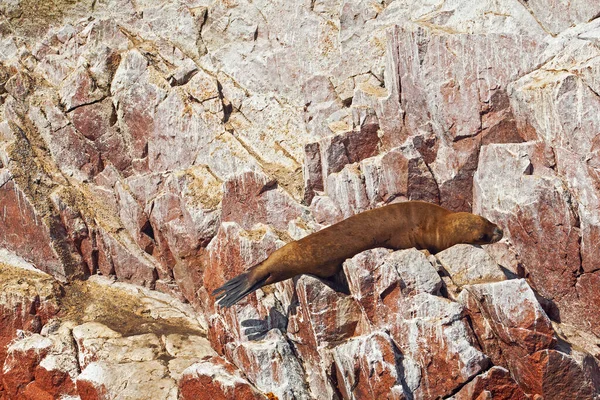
{"type": "Point", "coordinates": [483, 238]}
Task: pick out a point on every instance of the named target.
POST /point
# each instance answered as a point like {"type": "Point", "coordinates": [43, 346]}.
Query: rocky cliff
{"type": "Point", "coordinates": [151, 150]}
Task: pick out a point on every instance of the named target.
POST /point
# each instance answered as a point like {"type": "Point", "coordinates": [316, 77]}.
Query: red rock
{"type": "Point", "coordinates": [89, 391]}
{"type": "Point", "coordinates": [496, 383]}
{"type": "Point", "coordinates": [588, 298]}
{"type": "Point", "coordinates": [217, 379]}
{"type": "Point", "coordinates": [33, 391]}
{"type": "Point", "coordinates": [554, 375]}
{"type": "Point", "coordinates": [20, 363]}
{"type": "Point", "coordinates": [32, 302]}
{"type": "Point", "coordinates": [54, 382]}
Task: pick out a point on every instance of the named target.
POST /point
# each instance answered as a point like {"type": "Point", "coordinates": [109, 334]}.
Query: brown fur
{"type": "Point", "coordinates": [395, 226]}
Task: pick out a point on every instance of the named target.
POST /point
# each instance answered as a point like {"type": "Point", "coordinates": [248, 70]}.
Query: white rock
{"type": "Point", "coordinates": [468, 264]}
{"type": "Point", "coordinates": [134, 381]}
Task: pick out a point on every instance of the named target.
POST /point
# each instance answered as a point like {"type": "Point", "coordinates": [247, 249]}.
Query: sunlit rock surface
{"type": "Point", "coordinates": [150, 151]}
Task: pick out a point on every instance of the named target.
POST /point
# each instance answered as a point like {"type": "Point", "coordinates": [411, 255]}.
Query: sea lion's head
{"type": "Point", "coordinates": [469, 228]}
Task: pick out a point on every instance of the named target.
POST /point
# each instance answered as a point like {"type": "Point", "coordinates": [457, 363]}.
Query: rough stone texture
{"type": "Point", "coordinates": [469, 265]}
{"type": "Point", "coordinates": [175, 144]}
{"type": "Point", "coordinates": [366, 366]}
{"type": "Point", "coordinates": [28, 300]}
{"type": "Point", "coordinates": [217, 379]}
{"type": "Point", "coordinates": [495, 383]}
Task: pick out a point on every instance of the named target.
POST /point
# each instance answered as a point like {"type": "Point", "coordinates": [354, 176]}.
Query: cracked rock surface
{"type": "Point", "coordinates": [152, 150]}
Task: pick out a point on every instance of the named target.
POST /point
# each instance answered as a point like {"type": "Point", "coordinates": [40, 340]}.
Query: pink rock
{"type": "Point", "coordinates": [347, 148]}
{"type": "Point", "coordinates": [456, 96]}
{"type": "Point", "coordinates": [390, 113]}
{"type": "Point", "coordinates": [321, 101]}
{"type": "Point", "coordinates": [250, 198]}
{"type": "Point", "coordinates": [19, 85]}
{"type": "Point", "coordinates": [536, 215]}
{"type": "Point", "coordinates": [126, 260]}
{"type": "Point", "coordinates": [188, 214]}
{"type": "Point", "coordinates": [347, 191]}
{"type": "Point", "coordinates": [33, 241]}
{"type": "Point", "coordinates": [400, 173]}
{"type": "Point", "coordinates": [373, 283]}
{"type": "Point", "coordinates": [42, 237]}
{"type": "Point", "coordinates": [94, 120]}
{"type": "Point", "coordinates": [509, 323]}
{"type": "Point", "coordinates": [133, 92]}
{"type": "Point", "coordinates": [73, 153]}
{"type": "Point", "coordinates": [325, 211]}
{"type": "Point", "coordinates": [556, 17]}
{"type": "Point", "coordinates": [180, 131]}
{"type": "Point", "coordinates": [333, 316]}
{"type": "Point", "coordinates": [514, 314]}
{"type": "Point", "coordinates": [80, 89]}
{"type": "Point", "coordinates": [135, 219]}
{"type": "Point", "coordinates": [312, 171]}
{"type": "Point", "coordinates": [284, 377]}
{"type": "Point", "coordinates": [366, 368]}
{"type": "Point", "coordinates": [231, 252]}
{"type": "Point", "coordinates": [437, 344]}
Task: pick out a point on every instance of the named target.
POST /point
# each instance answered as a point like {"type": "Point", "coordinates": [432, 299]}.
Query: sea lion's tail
{"type": "Point", "coordinates": [239, 287]}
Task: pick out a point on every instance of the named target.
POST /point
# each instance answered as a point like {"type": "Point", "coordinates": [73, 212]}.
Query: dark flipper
{"type": "Point", "coordinates": [337, 282]}
{"type": "Point", "coordinates": [236, 289]}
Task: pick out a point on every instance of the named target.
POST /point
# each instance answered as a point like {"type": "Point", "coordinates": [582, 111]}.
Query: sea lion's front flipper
{"type": "Point", "coordinates": [337, 282]}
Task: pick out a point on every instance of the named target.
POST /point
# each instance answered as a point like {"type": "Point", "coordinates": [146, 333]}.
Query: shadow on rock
{"type": "Point", "coordinates": [256, 329]}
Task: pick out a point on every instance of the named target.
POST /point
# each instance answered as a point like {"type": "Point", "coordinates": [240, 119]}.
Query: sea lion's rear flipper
{"type": "Point", "coordinates": [236, 289]}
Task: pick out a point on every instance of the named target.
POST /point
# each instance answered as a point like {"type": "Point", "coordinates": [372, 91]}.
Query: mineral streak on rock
{"type": "Point", "coordinates": [157, 149]}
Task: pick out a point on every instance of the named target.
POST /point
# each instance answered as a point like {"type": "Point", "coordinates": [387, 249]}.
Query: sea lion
{"type": "Point", "coordinates": [396, 226]}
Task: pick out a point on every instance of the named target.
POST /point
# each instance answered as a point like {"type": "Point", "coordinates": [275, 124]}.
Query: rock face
{"type": "Point", "coordinates": [149, 151]}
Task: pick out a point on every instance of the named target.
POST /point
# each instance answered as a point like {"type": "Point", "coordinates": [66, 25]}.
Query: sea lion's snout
{"type": "Point", "coordinates": [497, 235]}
